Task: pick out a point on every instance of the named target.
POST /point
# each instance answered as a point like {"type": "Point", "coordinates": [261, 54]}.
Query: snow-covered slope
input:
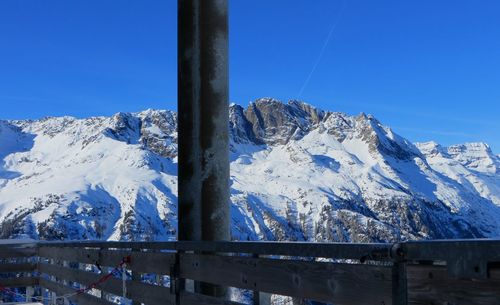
{"type": "Point", "coordinates": [298, 173]}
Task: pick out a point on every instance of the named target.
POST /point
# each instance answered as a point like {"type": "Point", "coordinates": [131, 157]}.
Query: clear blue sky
{"type": "Point", "coordinates": [430, 69]}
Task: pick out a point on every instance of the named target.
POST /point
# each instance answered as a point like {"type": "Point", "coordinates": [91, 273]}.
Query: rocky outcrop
{"type": "Point", "coordinates": [276, 123]}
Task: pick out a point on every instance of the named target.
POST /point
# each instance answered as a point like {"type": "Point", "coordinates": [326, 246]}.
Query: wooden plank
{"type": "Point", "coordinates": [348, 284]}
{"type": "Point", "coordinates": [190, 298]}
{"type": "Point", "coordinates": [111, 244]}
{"type": "Point", "coordinates": [22, 267]}
{"type": "Point", "coordinates": [472, 249]}
{"type": "Point", "coordinates": [145, 262]}
{"type": "Point", "coordinates": [141, 292]}
{"type": "Point", "coordinates": [19, 282]}
{"type": "Point", "coordinates": [464, 258]}
{"type": "Point", "coordinates": [18, 243]}
{"type": "Point", "coordinates": [80, 299]}
{"type": "Point", "coordinates": [82, 277]}
{"type": "Point", "coordinates": [17, 252]}
{"type": "Point", "coordinates": [429, 284]}
{"type": "Point", "coordinates": [149, 294]}
{"type": "Point", "coordinates": [366, 251]}
{"type": "Point", "coordinates": [373, 251]}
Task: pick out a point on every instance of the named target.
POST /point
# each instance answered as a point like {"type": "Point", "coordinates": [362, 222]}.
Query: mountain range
{"type": "Point", "coordinates": [297, 173]}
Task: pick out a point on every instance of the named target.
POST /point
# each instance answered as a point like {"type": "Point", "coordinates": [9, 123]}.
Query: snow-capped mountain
{"type": "Point", "coordinates": [297, 173]}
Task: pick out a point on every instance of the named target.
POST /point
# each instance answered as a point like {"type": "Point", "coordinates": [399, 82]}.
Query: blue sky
{"type": "Point", "coordinates": [429, 69]}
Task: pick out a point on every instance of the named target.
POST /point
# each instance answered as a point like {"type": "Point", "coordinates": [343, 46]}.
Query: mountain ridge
{"type": "Point", "coordinates": [297, 173]}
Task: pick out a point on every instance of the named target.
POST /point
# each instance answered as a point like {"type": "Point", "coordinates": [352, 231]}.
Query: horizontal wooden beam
{"type": "Point", "coordinates": [19, 282]}
{"type": "Point", "coordinates": [348, 284]}
{"type": "Point", "coordinates": [17, 252]}
{"type": "Point", "coordinates": [80, 299]}
{"type": "Point", "coordinates": [301, 249]}
{"type": "Point", "coordinates": [373, 251]}
{"type": "Point", "coordinates": [21, 267]}
{"type": "Point", "coordinates": [429, 284]}
{"type": "Point", "coordinates": [19, 243]}
{"type": "Point", "coordinates": [145, 262]}
{"type": "Point", "coordinates": [137, 291]}
{"type": "Point", "coordinates": [169, 245]}
{"type": "Point", "coordinates": [464, 258]}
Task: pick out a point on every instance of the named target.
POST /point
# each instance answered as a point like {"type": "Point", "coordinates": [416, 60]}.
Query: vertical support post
{"type": "Point", "coordinates": [399, 284]}
{"type": "Point", "coordinates": [399, 276]}
{"type": "Point", "coordinates": [30, 291]}
{"type": "Point", "coordinates": [53, 298]}
{"type": "Point", "coordinates": [43, 295]}
{"type": "Point", "coordinates": [261, 298]}
{"type": "Point", "coordinates": [136, 277]}
{"type": "Point", "coordinates": [81, 266]}
{"type": "Point", "coordinates": [203, 121]}
{"type": "Point", "coordinates": [176, 284]}
{"type": "Point", "coordinates": [53, 294]}
{"type": "Point", "coordinates": [66, 265]}
{"type": "Point", "coordinates": [105, 270]}
{"type": "Point", "coordinates": [37, 260]}
{"type": "Point", "coordinates": [203, 106]}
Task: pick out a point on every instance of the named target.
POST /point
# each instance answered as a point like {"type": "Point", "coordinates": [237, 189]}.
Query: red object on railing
{"type": "Point", "coordinates": [125, 260]}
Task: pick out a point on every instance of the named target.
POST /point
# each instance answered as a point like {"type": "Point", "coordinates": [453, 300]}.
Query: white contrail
{"type": "Point", "coordinates": [325, 44]}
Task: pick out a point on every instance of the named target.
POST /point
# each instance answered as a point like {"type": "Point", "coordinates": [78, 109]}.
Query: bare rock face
{"type": "Point", "coordinates": [158, 132]}
{"type": "Point", "coordinates": [269, 121]}
{"type": "Point", "coordinates": [241, 129]}
{"type": "Point", "coordinates": [297, 173]}
{"type": "Point", "coordinates": [381, 140]}
{"type": "Point", "coordinates": [276, 123]}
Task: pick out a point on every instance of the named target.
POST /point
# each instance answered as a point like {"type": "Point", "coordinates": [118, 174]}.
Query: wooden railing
{"type": "Point", "coordinates": [106, 273]}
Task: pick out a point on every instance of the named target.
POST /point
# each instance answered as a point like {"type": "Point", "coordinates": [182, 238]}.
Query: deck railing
{"type": "Point", "coordinates": [104, 273]}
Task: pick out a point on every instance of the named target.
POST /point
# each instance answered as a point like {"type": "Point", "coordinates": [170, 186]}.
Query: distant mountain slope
{"type": "Point", "coordinates": [297, 173]}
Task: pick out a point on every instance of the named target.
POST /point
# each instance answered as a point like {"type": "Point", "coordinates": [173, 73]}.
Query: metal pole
{"type": "Point", "coordinates": [203, 107]}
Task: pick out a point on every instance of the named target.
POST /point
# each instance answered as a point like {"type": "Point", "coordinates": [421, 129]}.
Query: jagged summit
{"type": "Point", "coordinates": [274, 122]}
{"type": "Point", "coordinates": [297, 173]}
{"type": "Point", "coordinates": [269, 121]}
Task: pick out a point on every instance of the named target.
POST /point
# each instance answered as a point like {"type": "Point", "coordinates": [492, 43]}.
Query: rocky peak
{"type": "Point", "coordinates": [161, 121]}
{"type": "Point", "coordinates": [274, 122]}
{"type": "Point", "coordinates": [304, 110]}
{"type": "Point", "coordinates": [338, 124]}
{"type": "Point", "coordinates": [382, 140]}
{"type": "Point", "coordinates": [472, 148]}
{"type": "Point", "coordinates": [159, 132]}
{"type": "Point", "coordinates": [476, 156]}
{"type": "Point", "coordinates": [125, 127]}
{"type": "Point", "coordinates": [52, 126]}
{"type": "Point", "coordinates": [432, 149]}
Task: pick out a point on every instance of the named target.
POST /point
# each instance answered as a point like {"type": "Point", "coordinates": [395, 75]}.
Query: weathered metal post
{"type": "Point", "coordinates": [203, 107]}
